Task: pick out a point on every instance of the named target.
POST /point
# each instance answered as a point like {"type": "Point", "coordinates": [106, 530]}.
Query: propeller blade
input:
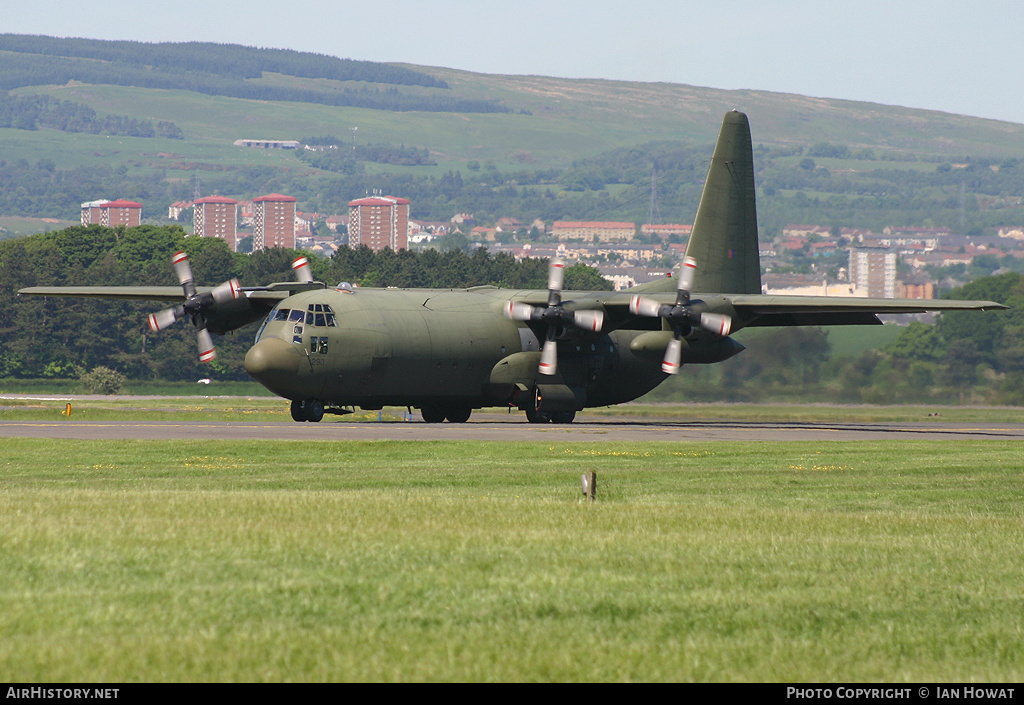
{"type": "Point", "coordinates": [549, 358]}
{"type": "Point", "coordinates": [518, 311]}
{"type": "Point", "coordinates": [303, 272]}
{"type": "Point", "coordinates": [184, 271]}
{"type": "Point", "coordinates": [162, 319]}
{"type": "Point", "coordinates": [227, 291]}
{"type": "Point", "coordinates": [687, 274]}
{"type": "Point", "coordinates": [556, 275]}
{"type": "Point", "coordinates": [716, 323]}
{"type": "Point", "coordinates": [206, 351]}
{"type": "Point", "coordinates": [673, 354]}
{"type": "Point", "coordinates": [640, 306]}
{"type": "Point", "coordinates": [589, 320]}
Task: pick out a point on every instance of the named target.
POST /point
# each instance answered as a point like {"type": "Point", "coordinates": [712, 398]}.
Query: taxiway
{"type": "Point", "coordinates": [496, 427]}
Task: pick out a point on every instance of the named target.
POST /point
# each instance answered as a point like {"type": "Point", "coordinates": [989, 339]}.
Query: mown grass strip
{"type": "Point", "coordinates": [412, 561]}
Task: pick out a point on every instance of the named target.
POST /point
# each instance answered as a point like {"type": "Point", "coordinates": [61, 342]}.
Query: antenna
{"type": "Point", "coordinates": [653, 213]}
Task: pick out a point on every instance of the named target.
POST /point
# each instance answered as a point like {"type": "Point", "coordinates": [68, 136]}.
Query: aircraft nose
{"type": "Point", "coordinates": [274, 363]}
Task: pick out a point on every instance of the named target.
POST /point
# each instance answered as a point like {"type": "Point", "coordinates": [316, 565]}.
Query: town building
{"type": "Point", "coordinates": [379, 222]}
{"type": "Point", "coordinates": [112, 214]}
{"type": "Point", "coordinates": [666, 230]}
{"type": "Point", "coordinates": [176, 209]}
{"type": "Point", "coordinates": [267, 144]}
{"type": "Point", "coordinates": [589, 231]}
{"type": "Point", "coordinates": [217, 216]}
{"type": "Point", "coordinates": [873, 272]}
{"type": "Point", "coordinates": [273, 222]}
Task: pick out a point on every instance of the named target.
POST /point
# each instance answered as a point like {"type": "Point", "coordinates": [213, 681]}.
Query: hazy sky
{"type": "Point", "coordinates": [950, 55]}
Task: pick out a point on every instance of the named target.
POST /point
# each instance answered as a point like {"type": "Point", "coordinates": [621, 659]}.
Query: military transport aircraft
{"type": "Point", "coordinates": [550, 353]}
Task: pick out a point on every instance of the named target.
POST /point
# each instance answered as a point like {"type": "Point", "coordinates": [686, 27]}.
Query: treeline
{"type": "Point", "coordinates": [229, 60]}
{"type": "Point", "coordinates": [42, 189]}
{"type": "Point", "coordinates": [333, 154]}
{"type": "Point", "coordinates": [57, 337]}
{"type": "Point", "coordinates": [35, 61]}
{"type": "Point", "coordinates": [34, 112]}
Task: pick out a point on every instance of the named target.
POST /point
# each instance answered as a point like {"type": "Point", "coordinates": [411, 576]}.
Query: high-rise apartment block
{"type": "Point", "coordinates": [217, 216]}
{"type": "Point", "coordinates": [379, 222]}
{"type": "Point", "coordinates": [273, 221]}
{"type": "Point", "coordinates": [873, 272]}
{"type": "Point", "coordinates": [112, 213]}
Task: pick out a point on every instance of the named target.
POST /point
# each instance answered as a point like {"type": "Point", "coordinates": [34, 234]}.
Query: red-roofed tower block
{"type": "Point", "coordinates": [379, 222]}
{"type": "Point", "coordinates": [112, 213]}
{"type": "Point", "coordinates": [217, 216]}
{"type": "Point", "coordinates": [273, 221]}
{"type": "Point", "coordinates": [121, 212]}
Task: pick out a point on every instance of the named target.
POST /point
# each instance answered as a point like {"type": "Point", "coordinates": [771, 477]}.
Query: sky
{"type": "Point", "coordinates": [949, 55]}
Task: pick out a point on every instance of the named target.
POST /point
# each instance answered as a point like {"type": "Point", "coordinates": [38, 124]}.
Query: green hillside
{"type": "Point", "coordinates": [527, 146]}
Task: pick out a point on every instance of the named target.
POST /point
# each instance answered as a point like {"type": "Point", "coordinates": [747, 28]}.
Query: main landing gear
{"type": "Point", "coordinates": [454, 414]}
{"type": "Point", "coordinates": [307, 410]}
{"type": "Point", "coordinates": [550, 416]}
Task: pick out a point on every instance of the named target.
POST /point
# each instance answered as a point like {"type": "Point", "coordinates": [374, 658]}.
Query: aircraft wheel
{"type": "Point", "coordinates": [314, 410]}
{"type": "Point", "coordinates": [562, 416]}
{"type": "Point", "coordinates": [299, 410]}
{"type": "Point", "coordinates": [432, 414]}
{"type": "Point", "coordinates": [538, 416]}
{"type": "Point", "coordinates": [458, 414]}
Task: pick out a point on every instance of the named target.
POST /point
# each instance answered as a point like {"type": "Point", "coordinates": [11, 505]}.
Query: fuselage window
{"type": "Point", "coordinates": [318, 345]}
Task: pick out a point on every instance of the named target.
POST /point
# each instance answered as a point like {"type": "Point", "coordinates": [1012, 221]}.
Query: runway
{"type": "Point", "coordinates": [498, 427]}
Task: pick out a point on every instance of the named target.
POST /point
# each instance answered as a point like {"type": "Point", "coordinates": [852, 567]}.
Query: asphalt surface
{"type": "Point", "coordinates": [499, 427]}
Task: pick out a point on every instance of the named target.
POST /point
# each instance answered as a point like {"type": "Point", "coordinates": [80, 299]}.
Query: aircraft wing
{"type": "Point", "coordinates": [758, 310]}
{"type": "Point", "coordinates": [140, 293]}
{"type": "Point", "coordinates": [761, 310]}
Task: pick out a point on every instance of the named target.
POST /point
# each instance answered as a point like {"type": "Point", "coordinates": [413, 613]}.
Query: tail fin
{"type": "Point", "coordinates": [724, 238]}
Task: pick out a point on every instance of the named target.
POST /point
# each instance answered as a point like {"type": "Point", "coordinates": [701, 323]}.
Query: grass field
{"type": "Point", "coordinates": [479, 561]}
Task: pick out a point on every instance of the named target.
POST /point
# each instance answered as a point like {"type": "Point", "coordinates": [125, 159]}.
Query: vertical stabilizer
{"type": "Point", "coordinates": [724, 238]}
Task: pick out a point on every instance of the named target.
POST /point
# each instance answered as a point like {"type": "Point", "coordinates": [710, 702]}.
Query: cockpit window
{"type": "Point", "coordinates": [296, 315]}
{"type": "Point", "coordinates": [318, 315]}
{"type": "Point", "coordinates": [282, 314]}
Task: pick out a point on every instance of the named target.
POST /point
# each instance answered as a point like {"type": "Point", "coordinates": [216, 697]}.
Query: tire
{"type": "Point", "coordinates": [538, 416]}
{"type": "Point", "coordinates": [562, 416]}
{"type": "Point", "coordinates": [432, 414]}
{"type": "Point", "coordinates": [458, 414]}
{"type": "Point", "coordinates": [299, 411]}
{"type": "Point", "coordinates": [314, 410]}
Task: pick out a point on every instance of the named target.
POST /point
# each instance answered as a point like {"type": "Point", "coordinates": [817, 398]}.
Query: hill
{"type": "Point", "coordinates": [529, 132]}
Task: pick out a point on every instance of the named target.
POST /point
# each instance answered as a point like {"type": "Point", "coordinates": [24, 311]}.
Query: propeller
{"type": "Point", "coordinates": [554, 316]}
{"type": "Point", "coordinates": [195, 306]}
{"type": "Point", "coordinates": [303, 272]}
{"type": "Point", "coordinates": [680, 316]}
